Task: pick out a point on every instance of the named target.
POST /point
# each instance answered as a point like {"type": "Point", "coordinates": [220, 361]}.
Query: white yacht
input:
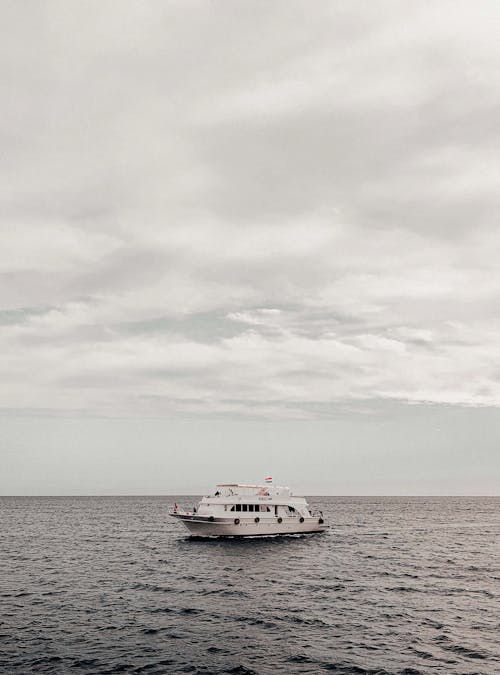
{"type": "Point", "coordinates": [236, 510]}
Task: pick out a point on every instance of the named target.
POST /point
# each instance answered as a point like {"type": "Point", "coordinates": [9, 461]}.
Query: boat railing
{"type": "Point", "coordinates": [179, 511]}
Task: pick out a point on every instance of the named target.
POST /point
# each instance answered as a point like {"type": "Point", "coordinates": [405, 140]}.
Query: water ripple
{"type": "Point", "coordinates": [399, 586]}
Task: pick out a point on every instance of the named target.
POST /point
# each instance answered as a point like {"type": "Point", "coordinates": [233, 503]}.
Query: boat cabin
{"type": "Point", "coordinates": [266, 500]}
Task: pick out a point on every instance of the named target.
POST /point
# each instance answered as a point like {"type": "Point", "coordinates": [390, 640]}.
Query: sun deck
{"type": "Point", "coordinates": [239, 489]}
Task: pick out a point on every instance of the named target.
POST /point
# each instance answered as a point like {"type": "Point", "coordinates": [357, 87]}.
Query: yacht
{"type": "Point", "coordinates": [236, 510]}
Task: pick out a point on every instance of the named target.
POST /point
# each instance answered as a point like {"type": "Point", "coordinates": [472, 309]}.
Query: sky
{"type": "Point", "coordinates": [248, 237]}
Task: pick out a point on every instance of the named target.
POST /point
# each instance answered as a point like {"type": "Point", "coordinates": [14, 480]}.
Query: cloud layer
{"type": "Point", "coordinates": [249, 208]}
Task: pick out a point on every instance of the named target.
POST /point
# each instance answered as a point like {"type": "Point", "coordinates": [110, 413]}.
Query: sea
{"type": "Point", "coordinates": [104, 585]}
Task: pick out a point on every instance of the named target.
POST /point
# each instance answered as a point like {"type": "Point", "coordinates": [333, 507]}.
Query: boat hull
{"type": "Point", "coordinates": [219, 527]}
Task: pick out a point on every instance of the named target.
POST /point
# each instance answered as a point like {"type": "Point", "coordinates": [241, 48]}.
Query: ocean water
{"type": "Point", "coordinates": [113, 585]}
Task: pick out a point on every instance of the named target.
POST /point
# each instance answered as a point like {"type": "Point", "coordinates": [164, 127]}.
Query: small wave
{"type": "Point", "coordinates": [432, 623]}
{"type": "Point", "coordinates": [116, 668]}
{"type": "Point", "coordinates": [226, 592]}
{"type": "Point", "coordinates": [305, 621]}
{"type": "Point", "coordinates": [404, 589]}
{"type": "Point", "coordinates": [85, 663]}
{"type": "Point", "coordinates": [253, 621]}
{"type": "Point", "coordinates": [155, 666]}
{"type": "Point", "coordinates": [469, 653]}
{"type": "Point", "coordinates": [153, 587]}
{"type": "Point", "coordinates": [422, 654]}
{"type": "Point", "coordinates": [46, 660]}
{"type": "Point", "coordinates": [341, 668]}
{"type": "Point", "coordinates": [110, 627]}
{"type": "Point", "coordinates": [176, 610]}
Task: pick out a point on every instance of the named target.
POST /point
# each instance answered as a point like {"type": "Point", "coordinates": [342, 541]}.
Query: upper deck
{"type": "Point", "coordinates": [239, 489]}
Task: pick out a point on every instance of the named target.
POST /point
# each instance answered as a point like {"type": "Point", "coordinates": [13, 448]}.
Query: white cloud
{"type": "Point", "coordinates": [206, 215]}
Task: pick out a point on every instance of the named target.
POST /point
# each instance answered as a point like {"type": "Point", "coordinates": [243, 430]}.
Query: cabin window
{"type": "Point", "coordinates": [238, 507]}
{"type": "Point", "coordinates": [250, 507]}
{"type": "Point", "coordinates": [244, 507]}
{"type": "Point", "coordinates": [264, 508]}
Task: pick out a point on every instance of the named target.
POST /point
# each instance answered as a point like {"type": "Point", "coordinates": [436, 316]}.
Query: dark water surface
{"type": "Point", "coordinates": [112, 585]}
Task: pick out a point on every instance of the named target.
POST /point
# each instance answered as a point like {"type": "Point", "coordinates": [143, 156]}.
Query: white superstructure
{"type": "Point", "coordinates": [236, 510]}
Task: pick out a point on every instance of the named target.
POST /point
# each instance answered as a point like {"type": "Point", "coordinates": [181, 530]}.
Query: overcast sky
{"type": "Point", "coordinates": [269, 221]}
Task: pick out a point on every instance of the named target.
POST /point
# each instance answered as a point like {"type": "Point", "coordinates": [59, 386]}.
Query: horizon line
{"type": "Point", "coordinates": [198, 494]}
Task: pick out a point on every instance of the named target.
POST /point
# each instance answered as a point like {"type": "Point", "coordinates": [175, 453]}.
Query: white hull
{"type": "Point", "coordinates": [204, 527]}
